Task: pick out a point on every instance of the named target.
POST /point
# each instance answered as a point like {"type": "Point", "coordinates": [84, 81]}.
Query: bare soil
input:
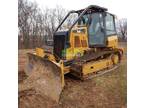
{"type": "Point", "coordinates": [107, 91]}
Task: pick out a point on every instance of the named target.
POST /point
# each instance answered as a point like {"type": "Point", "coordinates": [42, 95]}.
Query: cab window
{"type": "Point", "coordinates": [110, 27]}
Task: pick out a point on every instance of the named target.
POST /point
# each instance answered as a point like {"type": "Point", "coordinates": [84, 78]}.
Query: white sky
{"type": "Point", "coordinates": [117, 7]}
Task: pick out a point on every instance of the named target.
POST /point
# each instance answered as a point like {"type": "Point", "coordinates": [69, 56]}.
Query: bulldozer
{"type": "Point", "coordinates": [86, 49]}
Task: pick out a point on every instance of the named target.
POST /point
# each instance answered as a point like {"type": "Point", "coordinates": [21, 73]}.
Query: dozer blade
{"type": "Point", "coordinates": [44, 76]}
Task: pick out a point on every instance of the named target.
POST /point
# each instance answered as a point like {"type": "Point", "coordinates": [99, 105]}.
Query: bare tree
{"type": "Point", "coordinates": [60, 13]}
{"type": "Point", "coordinates": [122, 28]}
{"type": "Point", "coordinates": [48, 23]}
{"type": "Point", "coordinates": [25, 19]}
{"type": "Point", "coordinates": [52, 18]}
{"type": "Point", "coordinates": [36, 26]}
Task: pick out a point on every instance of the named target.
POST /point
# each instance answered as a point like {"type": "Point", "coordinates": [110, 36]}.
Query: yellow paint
{"type": "Point", "coordinates": [62, 73]}
{"type": "Point", "coordinates": [66, 69]}
{"type": "Point", "coordinates": [40, 52]}
{"type": "Point", "coordinates": [115, 59]}
{"type": "Point", "coordinates": [51, 57]}
{"type": "Point", "coordinates": [78, 48]}
{"type": "Point", "coordinates": [112, 41]}
{"type": "Point", "coordinates": [96, 66]}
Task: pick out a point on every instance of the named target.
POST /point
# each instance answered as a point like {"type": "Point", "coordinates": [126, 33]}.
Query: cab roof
{"type": "Point", "coordinates": [92, 8]}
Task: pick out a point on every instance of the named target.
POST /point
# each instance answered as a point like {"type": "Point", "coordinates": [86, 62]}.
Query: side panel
{"type": "Point", "coordinates": [95, 66]}
{"type": "Point", "coordinates": [112, 41]}
{"type": "Point", "coordinates": [78, 42]}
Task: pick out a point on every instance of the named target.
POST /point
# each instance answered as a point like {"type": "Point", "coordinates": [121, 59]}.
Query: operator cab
{"type": "Point", "coordinates": [99, 25]}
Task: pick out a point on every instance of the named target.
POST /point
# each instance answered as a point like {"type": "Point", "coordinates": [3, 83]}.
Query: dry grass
{"type": "Point", "coordinates": [107, 91]}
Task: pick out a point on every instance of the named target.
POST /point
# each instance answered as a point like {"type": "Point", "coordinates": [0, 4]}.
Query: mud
{"type": "Point", "coordinates": [44, 80]}
{"type": "Point", "coordinates": [107, 91]}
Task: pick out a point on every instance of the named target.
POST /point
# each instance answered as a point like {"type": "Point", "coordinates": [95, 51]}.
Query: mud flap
{"type": "Point", "coordinates": [45, 76]}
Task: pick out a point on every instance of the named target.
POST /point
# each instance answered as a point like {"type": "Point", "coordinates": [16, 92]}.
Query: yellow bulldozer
{"type": "Point", "coordinates": [86, 49]}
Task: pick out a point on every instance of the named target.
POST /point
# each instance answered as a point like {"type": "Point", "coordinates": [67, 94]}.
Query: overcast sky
{"type": "Point", "coordinates": [117, 7]}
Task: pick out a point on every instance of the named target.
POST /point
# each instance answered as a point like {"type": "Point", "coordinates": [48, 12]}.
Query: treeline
{"type": "Point", "coordinates": [36, 25]}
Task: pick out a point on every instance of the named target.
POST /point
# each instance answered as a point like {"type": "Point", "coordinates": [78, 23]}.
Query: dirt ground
{"type": "Point", "coordinates": [107, 91]}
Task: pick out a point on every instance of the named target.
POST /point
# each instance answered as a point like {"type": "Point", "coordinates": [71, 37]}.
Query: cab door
{"type": "Point", "coordinates": [96, 30]}
{"type": "Point", "coordinates": [110, 25]}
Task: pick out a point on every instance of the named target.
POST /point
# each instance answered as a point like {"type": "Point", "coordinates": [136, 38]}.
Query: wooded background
{"type": "Point", "coordinates": [37, 25]}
